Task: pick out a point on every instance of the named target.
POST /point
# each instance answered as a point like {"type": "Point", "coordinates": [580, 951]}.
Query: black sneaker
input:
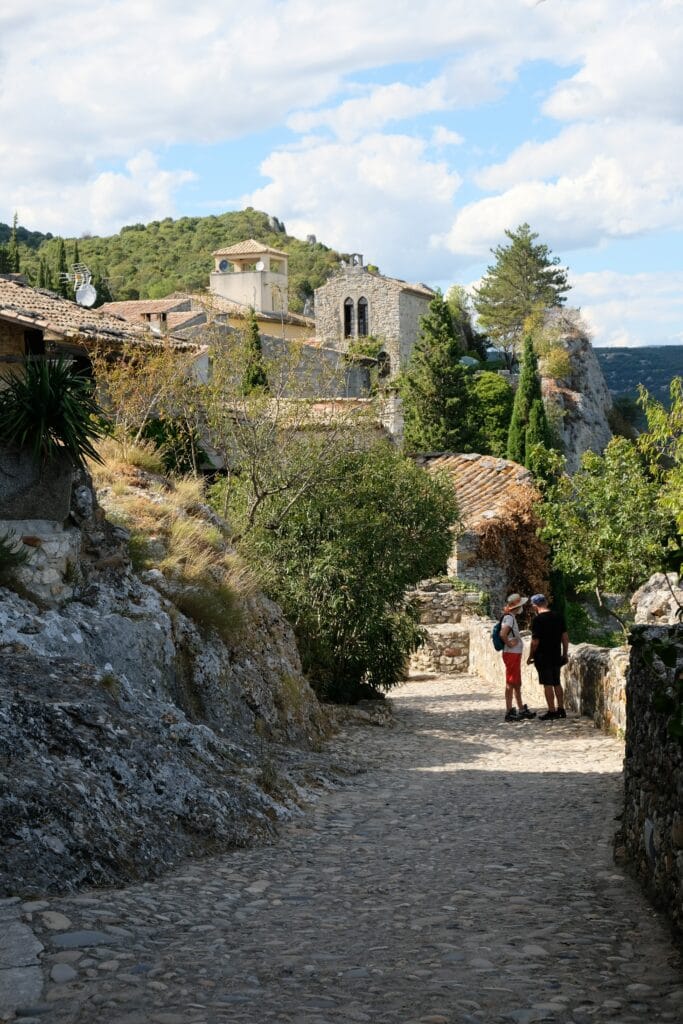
{"type": "Point", "coordinates": [511, 716]}
{"type": "Point", "coordinates": [525, 713]}
{"type": "Point", "coordinates": [549, 716]}
{"type": "Point", "coordinates": [561, 713]}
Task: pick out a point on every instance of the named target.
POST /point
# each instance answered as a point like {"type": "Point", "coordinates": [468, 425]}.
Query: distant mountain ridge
{"type": "Point", "coordinates": [653, 366]}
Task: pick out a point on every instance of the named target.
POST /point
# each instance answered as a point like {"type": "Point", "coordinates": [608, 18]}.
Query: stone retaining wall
{"type": "Point", "coordinates": [652, 825]}
{"type": "Point", "coordinates": [446, 651]}
{"type": "Point", "coordinates": [439, 602]}
{"type": "Point", "coordinates": [53, 555]}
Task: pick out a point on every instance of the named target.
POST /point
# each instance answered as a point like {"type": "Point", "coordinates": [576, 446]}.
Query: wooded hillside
{"type": "Point", "coordinates": [152, 260]}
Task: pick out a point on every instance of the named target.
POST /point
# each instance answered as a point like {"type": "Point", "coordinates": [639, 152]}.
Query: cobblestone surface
{"type": "Point", "coordinates": [466, 876]}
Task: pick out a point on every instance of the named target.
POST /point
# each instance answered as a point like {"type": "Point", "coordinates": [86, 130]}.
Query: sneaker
{"type": "Point", "coordinates": [525, 713]}
{"type": "Point", "coordinates": [561, 713]}
{"type": "Point", "coordinates": [511, 715]}
{"type": "Point", "coordinates": [549, 716]}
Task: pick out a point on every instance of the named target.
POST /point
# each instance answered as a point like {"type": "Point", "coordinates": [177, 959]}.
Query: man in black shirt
{"type": "Point", "coordinates": [549, 652]}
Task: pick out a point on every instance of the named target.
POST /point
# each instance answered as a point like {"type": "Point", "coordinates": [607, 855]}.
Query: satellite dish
{"type": "Point", "coordinates": [223, 265]}
{"type": "Point", "coordinates": [260, 266]}
{"type": "Point", "coordinates": [86, 295]}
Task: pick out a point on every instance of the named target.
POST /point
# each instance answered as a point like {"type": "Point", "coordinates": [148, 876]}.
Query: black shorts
{"type": "Point", "coordinates": [548, 675]}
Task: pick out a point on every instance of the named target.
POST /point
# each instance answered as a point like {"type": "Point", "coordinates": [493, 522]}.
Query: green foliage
{"type": "Point", "coordinates": [528, 426]}
{"type": "Point", "coordinates": [254, 376]}
{"type": "Point", "coordinates": [61, 270]}
{"type": "Point", "coordinates": [662, 447]}
{"type": "Point", "coordinates": [523, 279]}
{"type": "Point", "coordinates": [583, 629]}
{"type": "Point", "coordinates": [365, 348]}
{"type": "Point", "coordinates": [50, 408]}
{"type": "Point", "coordinates": [492, 408]}
{"type": "Point", "coordinates": [437, 400]}
{"type": "Point", "coordinates": [604, 524]}
{"type": "Point", "coordinates": [459, 303]}
{"type": "Point", "coordinates": [178, 444]}
{"type": "Point", "coordinates": [175, 255]}
{"type": "Point", "coordinates": [340, 559]}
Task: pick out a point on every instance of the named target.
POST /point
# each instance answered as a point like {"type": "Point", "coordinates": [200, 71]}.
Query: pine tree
{"type": "Point", "coordinates": [437, 396]}
{"type": "Point", "coordinates": [524, 279]}
{"type": "Point", "coordinates": [13, 249]}
{"type": "Point", "coordinates": [528, 391]}
{"type": "Point", "coordinates": [254, 376]}
{"type": "Point", "coordinates": [62, 270]}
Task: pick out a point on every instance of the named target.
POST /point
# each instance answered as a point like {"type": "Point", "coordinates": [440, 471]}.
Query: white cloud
{"type": "Point", "coordinates": [104, 203]}
{"type": "Point", "coordinates": [442, 136]}
{"type": "Point", "coordinates": [631, 309]}
{"type": "Point", "coordinates": [362, 198]}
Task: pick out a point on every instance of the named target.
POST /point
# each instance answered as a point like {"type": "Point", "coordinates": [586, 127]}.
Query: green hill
{"type": "Point", "coordinates": [151, 260]}
{"type": "Point", "coordinates": [653, 366]}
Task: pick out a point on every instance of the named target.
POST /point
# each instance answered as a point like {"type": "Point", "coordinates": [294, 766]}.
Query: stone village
{"type": "Point", "coordinates": [150, 751]}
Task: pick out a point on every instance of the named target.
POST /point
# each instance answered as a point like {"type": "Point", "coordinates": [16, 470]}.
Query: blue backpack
{"type": "Point", "coordinates": [496, 638]}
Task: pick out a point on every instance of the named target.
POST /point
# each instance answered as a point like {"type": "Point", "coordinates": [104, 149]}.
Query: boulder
{"type": "Point", "coordinates": [659, 602]}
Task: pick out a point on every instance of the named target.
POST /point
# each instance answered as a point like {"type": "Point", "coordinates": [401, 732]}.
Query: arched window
{"type": "Point", "coordinates": [363, 318]}
{"type": "Point", "coordinates": [348, 318]}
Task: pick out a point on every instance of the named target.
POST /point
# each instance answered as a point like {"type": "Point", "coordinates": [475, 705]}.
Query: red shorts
{"type": "Point", "coordinates": [513, 668]}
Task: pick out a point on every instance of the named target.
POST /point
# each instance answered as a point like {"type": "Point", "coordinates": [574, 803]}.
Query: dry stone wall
{"type": "Point", "coordinates": [651, 842]}
{"type": "Point", "coordinates": [442, 607]}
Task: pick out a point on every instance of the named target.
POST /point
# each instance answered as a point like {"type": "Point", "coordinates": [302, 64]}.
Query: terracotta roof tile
{"type": "Point", "coordinates": [250, 247]}
{"type": "Point", "coordinates": [134, 309]}
{"type": "Point", "coordinates": [61, 318]}
{"type": "Point", "coordinates": [482, 482]}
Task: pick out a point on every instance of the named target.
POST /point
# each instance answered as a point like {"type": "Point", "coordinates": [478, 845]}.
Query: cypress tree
{"type": "Point", "coordinates": [62, 270]}
{"type": "Point", "coordinates": [13, 249]}
{"type": "Point", "coordinates": [254, 376]}
{"type": "Point", "coordinates": [438, 399]}
{"type": "Point", "coordinates": [4, 260]}
{"type": "Point", "coordinates": [77, 258]}
{"type": "Point", "coordinates": [528, 391]}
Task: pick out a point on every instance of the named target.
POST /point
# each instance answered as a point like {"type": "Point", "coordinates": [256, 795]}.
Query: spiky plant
{"type": "Point", "coordinates": [48, 409]}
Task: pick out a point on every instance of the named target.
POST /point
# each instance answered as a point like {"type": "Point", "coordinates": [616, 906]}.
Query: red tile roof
{"type": "Point", "coordinates": [250, 247]}
{"type": "Point", "coordinates": [61, 318]}
{"type": "Point", "coordinates": [482, 482]}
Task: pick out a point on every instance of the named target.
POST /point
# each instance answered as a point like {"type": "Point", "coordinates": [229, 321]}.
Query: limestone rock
{"type": "Point", "coordinates": [659, 602]}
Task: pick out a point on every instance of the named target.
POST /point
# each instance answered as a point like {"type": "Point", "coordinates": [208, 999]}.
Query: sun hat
{"type": "Point", "coordinates": [539, 599]}
{"type": "Point", "coordinates": [515, 601]}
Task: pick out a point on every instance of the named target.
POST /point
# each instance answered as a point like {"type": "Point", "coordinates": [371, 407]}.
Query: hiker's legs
{"type": "Point", "coordinates": [517, 693]}
{"type": "Point", "coordinates": [513, 678]}
{"type": "Point", "coordinates": [559, 696]}
{"type": "Point", "coordinates": [549, 697]}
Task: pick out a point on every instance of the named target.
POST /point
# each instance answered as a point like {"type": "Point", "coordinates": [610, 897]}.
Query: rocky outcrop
{"type": "Point", "coordinates": [131, 737]}
{"type": "Point", "coordinates": [579, 403]}
{"type": "Point", "coordinates": [659, 602]}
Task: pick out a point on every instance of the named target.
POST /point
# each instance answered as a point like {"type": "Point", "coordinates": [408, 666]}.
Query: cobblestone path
{"type": "Point", "coordinates": [465, 877]}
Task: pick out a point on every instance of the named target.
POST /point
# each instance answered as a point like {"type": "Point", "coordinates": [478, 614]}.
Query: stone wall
{"type": "Point", "coordinates": [595, 685]}
{"type": "Point", "coordinates": [651, 840]}
{"type": "Point", "coordinates": [11, 339]}
{"type": "Point", "coordinates": [394, 311]}
{"type": "Point", "coordinates": [442, 608]}
{"type": "Point", "coordinates": [54, 552]}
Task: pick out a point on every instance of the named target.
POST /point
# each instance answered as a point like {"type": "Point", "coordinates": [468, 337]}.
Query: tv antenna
{"type": "Point", "coordinates": [84, 292]}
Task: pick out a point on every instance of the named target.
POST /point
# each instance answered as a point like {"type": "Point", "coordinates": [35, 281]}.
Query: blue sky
{"type": "Point", "coordinates": [415, 134]}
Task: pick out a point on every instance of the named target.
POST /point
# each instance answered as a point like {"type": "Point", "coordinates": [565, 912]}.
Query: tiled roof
{"type": "Point", "coordinates": [45, 311]}
{"type": "Point", "coordinates": [134, 309]}
{"type": "Point", "coordinates": [482, 482]}
{"type": "Point", "coordinates": [250, 247]}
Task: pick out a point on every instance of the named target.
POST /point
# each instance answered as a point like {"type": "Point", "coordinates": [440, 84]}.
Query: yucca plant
{"type": "Point", "coordinates": [51, 408]}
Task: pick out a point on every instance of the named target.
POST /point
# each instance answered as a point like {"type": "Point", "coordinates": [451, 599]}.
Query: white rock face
{"type": "Point", "coordinates": [658, 602]}
{"type": "Point", "coordinates": [583, 397]}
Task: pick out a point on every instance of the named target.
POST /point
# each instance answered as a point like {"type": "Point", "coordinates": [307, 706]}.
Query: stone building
{"type": "Point", "coordinates": [355, 303]}
{"type": "Point", "coordinates": [495, 499]}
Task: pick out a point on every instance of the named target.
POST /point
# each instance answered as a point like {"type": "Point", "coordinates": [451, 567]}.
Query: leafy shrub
{"type": "Point", "coordinates": [556, 363]}
{"type": "Point", "coordinates": [48, 409]}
